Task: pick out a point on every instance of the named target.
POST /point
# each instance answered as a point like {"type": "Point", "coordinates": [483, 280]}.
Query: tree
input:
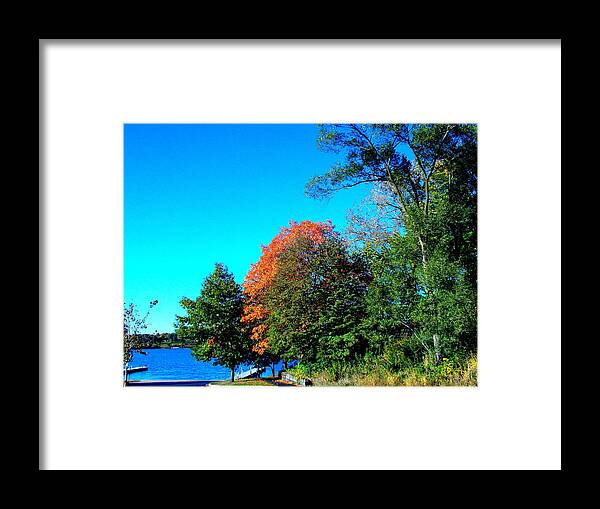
{"type": "Point", "coordinates": [340, 282]}
{"type": "Point", "coordinates": [427, 175]}
{"type": "Point", "coordinates": [133, 325]}
{"type": "Point", "coordinates": [292, 314]}
{"type": "Point", "coordinates": [372, 155]}
{"type": "Point", "coordinates": [262, 273]}
{"type": "Point", "coordinates": [213, 321]}
{"type": "Point", "coordinates": [316, 302]}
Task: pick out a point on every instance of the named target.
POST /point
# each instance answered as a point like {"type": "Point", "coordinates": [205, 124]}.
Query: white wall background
{"type": "Point", "coordinates": [512, 90]}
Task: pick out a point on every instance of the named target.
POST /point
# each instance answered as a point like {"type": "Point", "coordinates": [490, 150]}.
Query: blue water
{"type": "Point", "coordinates": [180, 364]}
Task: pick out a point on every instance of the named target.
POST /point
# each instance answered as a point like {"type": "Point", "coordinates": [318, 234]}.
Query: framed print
{"type": "Point", "coordinates": [274, 235]}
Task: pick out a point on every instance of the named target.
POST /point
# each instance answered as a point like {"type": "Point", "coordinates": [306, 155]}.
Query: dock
{"type": "Point", "coordinates": [135, 369]}
{"type": "Point", "coordinates": [248, 374]}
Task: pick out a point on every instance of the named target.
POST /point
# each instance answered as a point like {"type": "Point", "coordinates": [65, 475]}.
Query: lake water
{"type": "Point", "coordinates": [180, 364]}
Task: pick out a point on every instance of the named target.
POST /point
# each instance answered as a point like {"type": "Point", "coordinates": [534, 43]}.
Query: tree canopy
{"type": "Point", "coordinates": [262, 273]}
{"type": "Point", "coordinates": [425, 272]}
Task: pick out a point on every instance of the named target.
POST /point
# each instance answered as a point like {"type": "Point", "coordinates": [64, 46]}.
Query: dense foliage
{"type": "Point", "coordinates": [316, 302]}
{"type": "Point", "coordinates": [422, 300]}
{"type": "Point", "coordinates": [262, 274]}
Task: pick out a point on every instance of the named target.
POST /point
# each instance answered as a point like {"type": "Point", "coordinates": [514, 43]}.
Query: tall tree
{"type": "Point", "coordinates": [340, 282]}
{"type": "Point", "coordinates": [428, 175]}
{"type": "Point", "coordinates": [213, 321]}
{"type": "Point", "coordinates": [372, 153]}
{"type": "Point", "coordinates": [316, 302]}
{"type": "Point", "coordinates": [292, 315]}
{"type": "Point", "coordinates": [262, 273]}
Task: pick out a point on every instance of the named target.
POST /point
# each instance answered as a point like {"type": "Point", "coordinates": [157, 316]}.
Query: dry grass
{"type": "Point", "coordinates": [450, 372]}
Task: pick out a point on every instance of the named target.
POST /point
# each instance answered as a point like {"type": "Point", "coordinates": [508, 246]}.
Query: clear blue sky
{"type": "Point", "coordinates": [196, 194]}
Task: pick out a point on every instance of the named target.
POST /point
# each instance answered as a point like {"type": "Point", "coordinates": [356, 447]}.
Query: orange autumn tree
{"type": "Point", "coordinates": [262, 273]}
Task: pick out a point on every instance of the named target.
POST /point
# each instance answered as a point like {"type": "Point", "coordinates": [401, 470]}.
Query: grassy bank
{"type": "Point", "coordinates": [382, 371]}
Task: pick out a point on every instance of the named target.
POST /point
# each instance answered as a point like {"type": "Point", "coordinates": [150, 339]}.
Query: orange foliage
{"type": "Point", "coordinates": [262, 273]}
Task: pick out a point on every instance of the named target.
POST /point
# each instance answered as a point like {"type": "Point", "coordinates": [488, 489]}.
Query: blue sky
{"type": "Point", "coordinates": [196, 194]}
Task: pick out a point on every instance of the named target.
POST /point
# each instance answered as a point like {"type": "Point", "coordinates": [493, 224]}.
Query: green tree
{"type": "Point", "coordinates": [425, 276]}
{"type": "Point", "coordinates": [317, 302]}
{"type": "Point", "coordinates": [212, 321]}
{"type": "Point", "coordinates": [292, 314]}
{"type": "Point", "coordinates": [340, 281]}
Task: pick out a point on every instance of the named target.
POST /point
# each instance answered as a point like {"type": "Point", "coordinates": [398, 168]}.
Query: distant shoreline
{"type": "Point", "coordinates": [164, 347]}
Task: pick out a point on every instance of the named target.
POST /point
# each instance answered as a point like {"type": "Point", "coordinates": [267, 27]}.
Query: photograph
{"type": "Point", "coordinates": [348, 248]}
{"type": "Point", "coordinates": [300, 255]}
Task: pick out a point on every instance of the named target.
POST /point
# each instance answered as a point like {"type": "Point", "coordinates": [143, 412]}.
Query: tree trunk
{"type": "Point", "coordinates": [232, 373]}
{"type": "Point", "coordinates": [423, 251]}
{"type": "Point", "coordinates": [436, 348]}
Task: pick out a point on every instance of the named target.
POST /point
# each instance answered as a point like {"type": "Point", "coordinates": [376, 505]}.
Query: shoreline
{"type": "Point", "coordinates": [205, 383]}
{"type": "Point", "coordinates": [173, 383]}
